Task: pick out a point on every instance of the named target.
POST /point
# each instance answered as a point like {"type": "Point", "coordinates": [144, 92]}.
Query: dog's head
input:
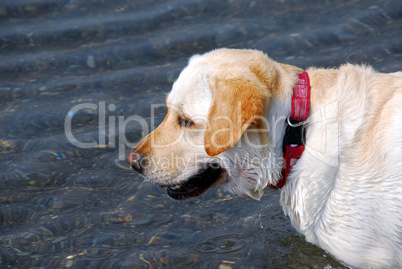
{"type": "Point", "coordinates": [214, 133]}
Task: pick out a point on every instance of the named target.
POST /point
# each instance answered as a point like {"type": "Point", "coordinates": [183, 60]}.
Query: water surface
{"type": "Point", "coordinates": [66, 206]}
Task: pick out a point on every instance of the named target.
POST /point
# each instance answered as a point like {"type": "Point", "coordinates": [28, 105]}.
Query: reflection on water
{"type": "Point", "coordinates": [65, 206]}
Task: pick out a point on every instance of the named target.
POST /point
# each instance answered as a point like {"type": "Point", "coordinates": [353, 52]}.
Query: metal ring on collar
{"type": "Point", "coordinates": [298, 123]}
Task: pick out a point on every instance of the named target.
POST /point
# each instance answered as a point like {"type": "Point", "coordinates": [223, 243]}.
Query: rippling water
{"type": "Point", "coordinates": [90, 65]}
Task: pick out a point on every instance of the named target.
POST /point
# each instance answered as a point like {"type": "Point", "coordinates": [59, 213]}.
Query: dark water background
{"type": "Point", "coordinates": [65, 206]}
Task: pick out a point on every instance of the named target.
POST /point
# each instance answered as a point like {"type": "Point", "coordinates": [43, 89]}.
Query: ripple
{"type": "Point", "coordinates": [220, 244]}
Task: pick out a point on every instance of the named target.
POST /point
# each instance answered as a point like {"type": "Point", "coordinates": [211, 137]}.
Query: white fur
{"type": "Point", "coordinates": [341, 197]}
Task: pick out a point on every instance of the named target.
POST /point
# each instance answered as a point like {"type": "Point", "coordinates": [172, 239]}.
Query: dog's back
{"type": "Point", "coordinates": [348, 196]}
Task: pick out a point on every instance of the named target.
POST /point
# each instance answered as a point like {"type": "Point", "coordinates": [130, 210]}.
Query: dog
{"type": "Point", "coordinates": [228, 113]}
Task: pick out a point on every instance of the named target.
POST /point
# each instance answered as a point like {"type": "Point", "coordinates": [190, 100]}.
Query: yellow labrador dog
{"type": "Point", "coordinates": [225, 125]}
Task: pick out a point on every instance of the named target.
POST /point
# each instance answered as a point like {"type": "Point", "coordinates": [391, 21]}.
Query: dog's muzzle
{"type": "Point", "coordinates": [206, 176]}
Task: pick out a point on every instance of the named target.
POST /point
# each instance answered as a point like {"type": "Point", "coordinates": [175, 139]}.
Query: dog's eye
{"type": "Point", "coordinates": [185, 122]}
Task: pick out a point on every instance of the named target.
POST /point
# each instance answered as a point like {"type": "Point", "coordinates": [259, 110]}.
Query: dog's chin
{"type": "Point", "coordinates": [197, 184]}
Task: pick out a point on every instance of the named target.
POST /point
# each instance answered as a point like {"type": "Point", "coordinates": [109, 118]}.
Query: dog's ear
{"type": "Point", "coordinates": [235, 105]}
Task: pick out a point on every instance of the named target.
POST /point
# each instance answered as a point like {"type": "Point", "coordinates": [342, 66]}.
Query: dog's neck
{"type": "Point", "coordinates": [303, 196]}
{"type": "Point", "coordinates": [279, 110]}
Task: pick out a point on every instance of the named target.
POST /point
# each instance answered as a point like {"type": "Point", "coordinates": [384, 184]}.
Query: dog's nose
{"type": "Point", "coordinates": [134, 159]}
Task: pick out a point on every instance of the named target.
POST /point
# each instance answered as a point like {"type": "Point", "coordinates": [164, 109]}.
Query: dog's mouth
{"type": "Point", "coordinates": [196, 185]}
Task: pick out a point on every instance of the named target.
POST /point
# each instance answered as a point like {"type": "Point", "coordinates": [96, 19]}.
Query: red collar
{"type": "Point", "coordinates": [293, 142]}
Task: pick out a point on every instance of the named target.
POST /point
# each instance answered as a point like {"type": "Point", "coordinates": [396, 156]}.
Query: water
{"type": "Point", "coordinates": [67, 206]}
